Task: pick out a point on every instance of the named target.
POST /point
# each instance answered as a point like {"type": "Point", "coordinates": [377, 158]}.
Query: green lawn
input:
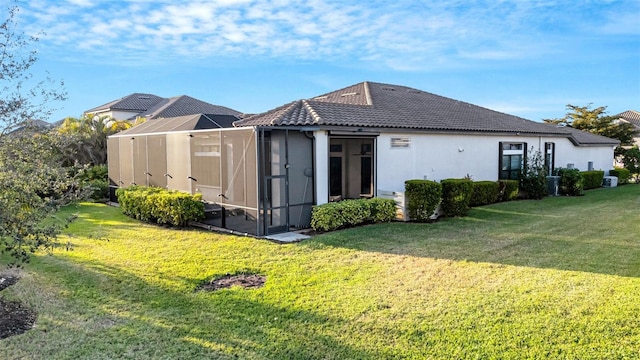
{"type": "Point", "coordinates": [557, 278]}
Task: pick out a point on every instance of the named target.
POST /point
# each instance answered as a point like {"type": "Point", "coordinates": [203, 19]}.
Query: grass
{"type": "Point", "coordinates": [557, 278]}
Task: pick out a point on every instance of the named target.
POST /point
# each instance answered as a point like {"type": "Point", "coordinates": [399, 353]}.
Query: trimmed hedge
{"type": "Point", "coordinates": [422, 198]}
{"type": "Point", "coordinates": [484, 193]}
{"type": "Point", "coordinates": [592, 179]}
{"type": "Point", "coordinates": [509, 189]}
{"type": "Point", "coordinates": [153, 204]}
{"type": "Point", "coordinates": [456, 195]}
{"type": "Point", "coordinates": [347, 213]}
{"type": "Point", "coordinates": [571, 182]}
{"type": "Point", "coordinates": [622, 174]}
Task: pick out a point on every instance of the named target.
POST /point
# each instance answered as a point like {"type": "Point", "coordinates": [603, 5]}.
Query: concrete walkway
{"type": "Point", "coordinates": [288, 237]}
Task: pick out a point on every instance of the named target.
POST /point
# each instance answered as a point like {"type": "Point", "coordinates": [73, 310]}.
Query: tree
{"type": "Point", "coordinates": [33, 182]}
{"type": "Point", "coordinates": [23, 99]}
{"type": "Point", "coordinates": [84, 139]}
{"type": "Point", "coordinates": [631, 160]}
{"type": "Point", "coordinates": [597, 122]}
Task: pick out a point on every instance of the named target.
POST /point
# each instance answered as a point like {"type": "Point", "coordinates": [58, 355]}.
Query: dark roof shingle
{"type": "Point", "coordinates": [154, 107]}
{"type": "Point", "coordinates": [135, 102]}
{"type": "Point", "coordinates": [377, 105]}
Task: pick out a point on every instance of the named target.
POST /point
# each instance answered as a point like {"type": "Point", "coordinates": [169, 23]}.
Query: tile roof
{"type": "Point", "coordinates": [631, 116]}
{"type": "Point", "coordinates": [377, 105]}
{"type": "Point", "coordinates": [185, 105]}
{"type": "Point", "coordinates": [180, 123]}
{"type": "Point", "coordinates": [135, 102]}
{"type": "Point", "coordinates": [152, 106]}
{"type": "Point", "coordinates": [580, 137]}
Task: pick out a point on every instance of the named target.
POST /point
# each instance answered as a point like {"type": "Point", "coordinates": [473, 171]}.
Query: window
{"type": "Point", "coordinates": [549, 157]}
{"type": "Point", "coordinates": [512, 159]}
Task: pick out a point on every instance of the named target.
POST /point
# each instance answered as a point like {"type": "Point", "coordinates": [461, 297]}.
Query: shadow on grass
{"type": "Point", "coordinates": [124, 314]}
{"type": "Point", "coordinates": [595, 233]}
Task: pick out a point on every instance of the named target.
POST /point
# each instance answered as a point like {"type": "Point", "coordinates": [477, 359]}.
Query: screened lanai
{"type": "Point", "coordinates": [253, 180]}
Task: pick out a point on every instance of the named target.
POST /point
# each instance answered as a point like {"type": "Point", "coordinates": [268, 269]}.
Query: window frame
{"type": "Point", "coordinates": [515, 149]}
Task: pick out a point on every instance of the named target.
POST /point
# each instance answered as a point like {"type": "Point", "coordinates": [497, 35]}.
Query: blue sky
{"type": "Point", "coordinates": [527, 58]}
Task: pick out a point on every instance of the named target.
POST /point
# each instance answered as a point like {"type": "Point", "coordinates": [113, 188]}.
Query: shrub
{"type": "Point", "coordinates": [422, 197]}
{"type": "Point", "coordinates": [631, 160]}
{"type": "Point", "coordinates": [326, 217]}
{"type": "Point", "coordinates": [622, 174]}
{"type": "Point", "coordinates": [354, 212]}
{"type": "Point", "coordinates": [571, 182]}
{"type": "Point", "coordinates": [592, 179]}
{"type": "Point", "coordinates": [533, 177]}
{"type": "Point", "coordinates": [152, 204]}
{"type": "Point", "coordinates": [484, 193]}
{"type": "Point", "coordinates": [382, 210]}
{"type": "Point", "coordinates": [509, 189]}
{"type": "Point", "coordinates": [332, 216]}
{"type": "Point", "coordinates": [95, 179]}
{"type": "Point", "coordinates": [456, 195]}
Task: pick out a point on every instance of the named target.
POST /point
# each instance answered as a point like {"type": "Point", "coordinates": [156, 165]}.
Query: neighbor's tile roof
{"type": "Point", "coordinates": [180, 123]}
{"type": "Point", "coordinates": [376, 105]}
{"type": "Point", "coordinates": [185, 105]}
{"type": "Point", "coordinates": [135, 102]}
{"type": "Point", "coordinates": [153, 107]}
{"type": "Point", "coordinates": [631, 116]}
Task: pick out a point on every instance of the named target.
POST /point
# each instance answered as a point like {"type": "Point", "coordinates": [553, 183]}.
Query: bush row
{"type": "Point", "coordinates": [157, 205]}
{"type": "Point", "coordinates": [622, 174]}
{"type": "Point", "coordinates": [592, 179]}
{"type": "Point", "coordinates": [455, 196]}
{"type": "Point", "coordinates": [347, 213]}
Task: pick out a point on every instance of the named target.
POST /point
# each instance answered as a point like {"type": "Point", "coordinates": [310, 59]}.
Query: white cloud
{"type": "Point", "coordinates": [404, 34]}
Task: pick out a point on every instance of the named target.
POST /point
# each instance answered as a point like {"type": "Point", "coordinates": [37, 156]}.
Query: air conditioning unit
{"type": "Point", "coordinates": [553, 185]}
{"type": "Point", "coordinates": [610, 181]}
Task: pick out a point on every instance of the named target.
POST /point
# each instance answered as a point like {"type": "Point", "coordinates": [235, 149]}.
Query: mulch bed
{"type": "Point", "coordinates": [15, 318]}
{"type": "Point", "coordinates": [247, 281]}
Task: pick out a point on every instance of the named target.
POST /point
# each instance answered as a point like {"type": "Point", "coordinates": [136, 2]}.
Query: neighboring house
{"type": "Point", "coordinates": [267, 173]}
{"type": "Point", "coordinates": [150, 106]}
{"type": "Point", "coordinates": [30, 127]}
{"type": "Point", "coordinates": [632, 117]}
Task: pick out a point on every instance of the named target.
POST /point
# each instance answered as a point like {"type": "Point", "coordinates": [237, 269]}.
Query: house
{"type": "Point", "coordinates": [632, 117]}
{"type": "Point", "coordinates": [265, 174]}
{"type": "Point", "coordinates": [150, 106]}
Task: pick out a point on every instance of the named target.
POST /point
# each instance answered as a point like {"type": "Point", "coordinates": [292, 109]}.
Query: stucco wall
{"type": "Point", "coordinates": [437, 157]}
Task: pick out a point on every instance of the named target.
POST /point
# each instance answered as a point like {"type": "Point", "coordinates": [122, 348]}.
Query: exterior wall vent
{"type": "Point", "coordinates": [400, 142]}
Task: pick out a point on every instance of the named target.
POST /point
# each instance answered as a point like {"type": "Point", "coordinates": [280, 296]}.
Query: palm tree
{"type": "Point", "coordinates": [85, 139]}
